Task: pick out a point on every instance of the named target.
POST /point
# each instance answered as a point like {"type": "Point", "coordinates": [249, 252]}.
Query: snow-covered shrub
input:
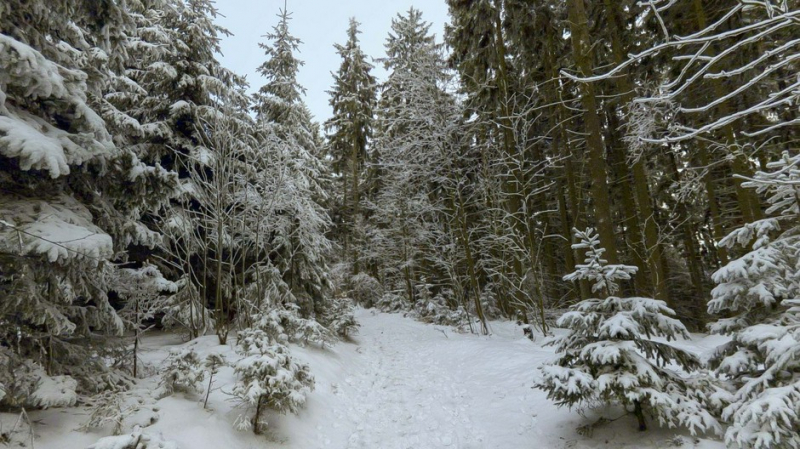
{"type": "Point", "coordinates": [17, 379]}
{"type": "Point", "coordinates": [286, 325]}
{"type": "Point", "coordinates": [107, 408]}
{"type": "Point", "coordinates": [341, 318]}
{"type": "Point", "coordinates": [611, 354]}
{"type": "Point", "coordinates": [134, 440]}
{"type": "Point", "coordinates": [54, 391]}
{"type": "Point", "coordinates": [268, 377]}
{"type": "Point", "coordinates": [437, 311]}
{"type": "Point", "coordinates": [759, 293]}
{"type": "Point", "coordinates": [24, 383]}
{"type": "Point", "coordinates": [184, 372]}
{"type": "Point", "coordinates": [391, 302]}
{"type": "Point", "coordinates": [365, 289]}
{"type": "Point", "coordinates": [121, 410]}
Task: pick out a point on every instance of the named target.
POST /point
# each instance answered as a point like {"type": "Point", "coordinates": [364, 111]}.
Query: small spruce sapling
{"type": "Point", "coordinates": [184, 372]}
{"type": "Point", "coordinates": [268, 377]}
{"type": "Point", "coordinates": [759, 292]}
{"type": "Point", "coordinates": [610, 355]}
{"type": "Point", "coordinates": [213, 363]}
{"type": "Point", "coordinates": [341, 319]}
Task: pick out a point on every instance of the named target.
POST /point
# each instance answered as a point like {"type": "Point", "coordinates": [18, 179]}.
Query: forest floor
{"type": "Point", "coordinates": [398, 384]}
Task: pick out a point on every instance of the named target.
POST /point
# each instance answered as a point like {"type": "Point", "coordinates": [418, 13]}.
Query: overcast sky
{"type": "Point", "coordinates": [319, 24]}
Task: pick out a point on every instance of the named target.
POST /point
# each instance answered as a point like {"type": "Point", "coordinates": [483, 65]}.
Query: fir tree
{"type": "Point", "coordinates": [268, 377]}
{"type": "Point", "coordinates": [610, 355]}
{"type": "Point", "coordinates": [353, 99]}
{"type": "Point", "coordinates": [290, 141]}
{"type": "Point", "coordinates": [759, 294]}
{"type": "Point", "coordinates": [66, 209]}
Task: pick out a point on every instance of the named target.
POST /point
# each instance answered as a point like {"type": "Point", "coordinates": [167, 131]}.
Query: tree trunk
{"type": "Point", "coordinates": [581, 52]}
{"type": "Point", "coordinates": [641, 188]}
{"type": "Point", "coordinates": [637, 410]}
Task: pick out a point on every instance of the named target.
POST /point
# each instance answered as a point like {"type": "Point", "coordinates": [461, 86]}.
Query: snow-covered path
{"type": "Point", "coordinates": [400, 384]}
{"type": "Point", "coordinates": [413, 385]}
{"type": "Point", "coordinates": [409, 393]}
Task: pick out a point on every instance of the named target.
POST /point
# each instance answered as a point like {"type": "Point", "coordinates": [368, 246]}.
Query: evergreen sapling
{"type": "Point", "coordinates": [611, 356]}
{"type": "Point", "coordinates": [759, 293]}
{"type": "Point", "coordinates": [268, 377]}
{"type": "Point", "coordinates": [184, 372]}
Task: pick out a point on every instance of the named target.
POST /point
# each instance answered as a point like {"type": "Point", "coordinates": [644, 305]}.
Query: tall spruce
{"type": "Point", "coordinates": [353, 100]}
{"type": "Point", "coordinates": [67, 216]}
{"type": "Point", "coordinates": [289, 138]}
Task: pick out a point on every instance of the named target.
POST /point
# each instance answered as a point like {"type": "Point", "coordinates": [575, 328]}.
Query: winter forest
{"type": "Point", "coordinates": [562, 224]}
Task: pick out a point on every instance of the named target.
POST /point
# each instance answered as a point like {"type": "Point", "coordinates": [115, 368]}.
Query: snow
{"type": "Point", "coordinates": [55, 391]}
{"type": "Point", "coordinates": [399, 384]}
{"type": "Point", "coordinates": [59, 228]}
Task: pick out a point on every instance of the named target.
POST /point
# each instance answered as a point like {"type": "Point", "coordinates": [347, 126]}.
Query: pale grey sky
{"type": "Point", "coordinates": [319, 24]}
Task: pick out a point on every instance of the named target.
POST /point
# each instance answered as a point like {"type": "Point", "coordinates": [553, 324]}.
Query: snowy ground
{"type": "Point", "coordinates": [400, 384]}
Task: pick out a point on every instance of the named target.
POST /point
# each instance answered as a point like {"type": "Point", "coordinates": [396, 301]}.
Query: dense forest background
{"type": "Point", "coordinates": [140, 185]}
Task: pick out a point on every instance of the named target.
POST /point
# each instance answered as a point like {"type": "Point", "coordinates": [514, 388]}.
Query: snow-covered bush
{"type": "Point", "coordinates": [54, 391]}
{"type": "Point", "coordinates": [759, 293]}
{"type": "Point", "coordinates": [286, 325]}
{"type": "Point", "coordinates": [268, 377]}
{"type": "Point", "coordinates": [437, 311]}
{"type": "Point", "coordinates": [135, 440]}
{"type": "Point", "coordinates": [365, 289]}
{"type": "Point", "coordinates": [184, 372]}
{"type": "Point", "coordinates": [391, 302]}
{"type": "Point", "coordinates": [107, 408]}
{"type": "Point", "coordinates": [24, 383]}
{"type": "Point", "coordinates": [611, 354]}
{"type": "Point", "coordinates": [342, 321]}
{"type": "Point", "coordinates": [17, 379]}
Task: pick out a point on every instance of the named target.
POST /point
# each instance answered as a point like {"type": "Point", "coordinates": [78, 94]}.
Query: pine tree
{"type": "Point", "coordinates": [290, 140]}
{"type": "Point", "coordinates": [67, 214]}
{"type": "Point", "coordinates": [610, 355]}
{"type": "Point", "coordinates": [353, 99]}
{"type": "Point", "coordinates": [759, 293]}
{"type": "Point", "coordinates": [268, 377]}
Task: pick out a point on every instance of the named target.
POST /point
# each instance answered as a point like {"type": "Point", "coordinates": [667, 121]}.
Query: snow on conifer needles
{"type": "Point", "coordinates": [759, 292]}
{"type": "Point", "coordinates": [610, 354]}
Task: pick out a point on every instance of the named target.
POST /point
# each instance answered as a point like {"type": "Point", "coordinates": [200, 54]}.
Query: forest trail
{"type": "Point", "coordinates": [403, 384]}
{"type": "Point", "coordinates": [422, 386]}
{"type": "Point", "coordinates": [400, 384]}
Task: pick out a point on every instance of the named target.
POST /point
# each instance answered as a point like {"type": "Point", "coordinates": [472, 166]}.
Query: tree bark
{"type": "Point", "coordinates": [581, 52]}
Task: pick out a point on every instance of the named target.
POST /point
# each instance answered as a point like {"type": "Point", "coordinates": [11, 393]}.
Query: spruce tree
{"type": "Point", "coordinates": [758, 295]}
{"type": "Point", "coordinates": [289, 138]}
{"type": "Point", "coordinates": [353, 98]}
{"type": "Point", "coordinates": [268, 378]}
{"type": "Point", "coordinates": [610, 355]}
{"type": "Point", "coordinates": [67, 214]}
